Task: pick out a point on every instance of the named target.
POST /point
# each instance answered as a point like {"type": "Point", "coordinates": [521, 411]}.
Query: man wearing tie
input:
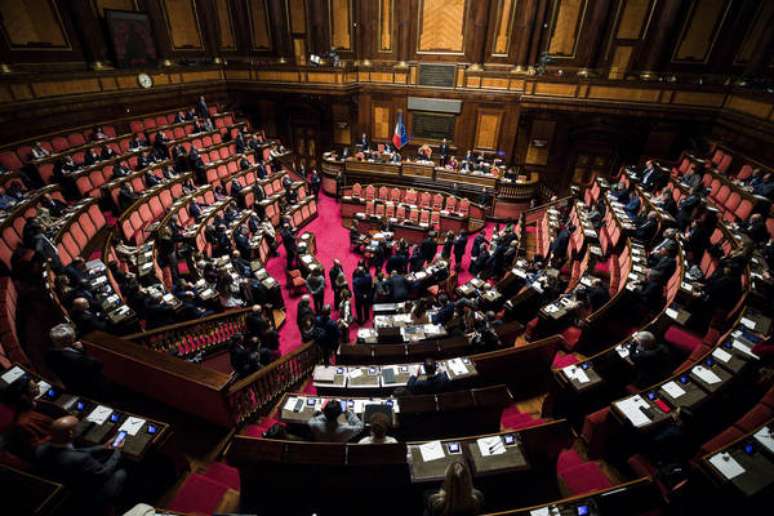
{"type": "Point", "coordinates": [443, 150]}
{"type": "Point", "coordinates": [364, 141]}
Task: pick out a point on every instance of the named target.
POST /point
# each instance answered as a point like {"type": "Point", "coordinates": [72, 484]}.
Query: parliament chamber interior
{"type": "Point", "coordinates": [386, 257]}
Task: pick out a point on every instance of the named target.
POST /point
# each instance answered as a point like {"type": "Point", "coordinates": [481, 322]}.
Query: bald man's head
{"type": "Point", "coordinates": [63, 429]}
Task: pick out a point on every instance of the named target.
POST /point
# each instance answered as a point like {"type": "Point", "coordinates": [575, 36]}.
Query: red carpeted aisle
{"type": "Point", "coordinates": [332, 242]}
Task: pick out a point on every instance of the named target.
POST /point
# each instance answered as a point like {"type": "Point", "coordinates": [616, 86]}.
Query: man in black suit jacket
{"type": "Point", "coordinates": [429, 247]}
{"type": "Point", "coordinates": [650, 358]}
{"type": "Point", "coordinates": [432, 382]}
{"type": "Point", "coordinates": [647, 230]}
{"type": "Point", "coordinates": [362, 284]}
{"type": "Point", "coordinates": [443, 150]}
{"type": "Point", "coordinates": [85, 320]}
{"type": "Point", "coordinates": [91, 472]}
{"type": "Point", "coordinates": [664, 261]}
{"type": "Point", "coordinates": [68, 359]}
{"type": "Point", "coordinates": [399, 287]}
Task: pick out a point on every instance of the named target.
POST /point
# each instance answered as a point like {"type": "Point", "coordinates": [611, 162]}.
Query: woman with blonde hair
{"type": "Point", "coordinates": [457, 496]}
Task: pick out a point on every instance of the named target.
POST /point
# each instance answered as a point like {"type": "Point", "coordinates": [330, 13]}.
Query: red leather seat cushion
{"type": "Point", "coordinates": [682, 340]}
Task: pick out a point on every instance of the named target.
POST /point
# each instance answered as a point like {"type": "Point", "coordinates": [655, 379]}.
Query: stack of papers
{"type": "Point", "coordinates": [355, 373]}
{"type": "Point", "coordinates": [99, 415]}
{"type": "Point", "coordinates": [324, 374]}
{"type": "Point", "coordinates": [674, 390]}
{"type": "Point", "coordinates": [290, 404]}
{"type": "Point", "coordinates": [12, 374]}
{"type": "Point", "coordinates": [132, 425]}
{"type": "Point", "coordinates": [630, 408]}
{"type": "Point", "coordinates": [744, 348]}
{"type": "Point", "coordinates": [491, 446]}
{"type": "Point", "coordinates": [748, 323]}
{"type": "Point", "coordinates": [722, 355]}
{"type": "Point", "coordinates": [706, 375]}
{"type": "Point", "coordinates": [576, 373]}
{"type": "Point", "coordinates": [766, 438]}
{"type": "Point", "coordinates": [622, 351]}
{"type": "Point", "coordinates": [726, 465]}
{"type": "Point", "coordinates": [457, 367]}
{"type": "Point", "coordinates": [431, 451]}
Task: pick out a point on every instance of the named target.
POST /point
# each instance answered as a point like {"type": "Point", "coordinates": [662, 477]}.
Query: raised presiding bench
{"type": "Point", "coordinates": [333, 380]}
{"type": "Point", "coordinates": [428, 416]}
{"type": "Point", "coordinates": [98, 424]}
{"type": "Point", "coordinates": [299, 477]}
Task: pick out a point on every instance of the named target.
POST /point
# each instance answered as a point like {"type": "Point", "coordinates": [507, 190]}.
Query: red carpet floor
{"type": "Point", "coordinates": [332, 242]}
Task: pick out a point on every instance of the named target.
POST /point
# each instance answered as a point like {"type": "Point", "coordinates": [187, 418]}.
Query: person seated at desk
{"type": "Point", "coordinates": [431, 382]}
{"type": "Point", "coordinates": [138, 142]}
{"type": "Point", "coordinates": [90, 158]}
{"type": "Point", "coordinates": [557, 250]}
{"type": "Point", "coordinates": [399, 287]}
{"type": "Point", "coordinates": [650, 292]}
{"type": "Point", "coordinates": [69, 360]}
{"type": "Point", "coordinates": [380, 425]}
{"type": "Point", "coordinates": [650, 358]}
{"type": "Point", "coordinates": [666, 202]}
{"type": "Point", "coordinates": [663, 261]}
{"type": "Point", "coordinates": [653, 178]}
{"type": "Point", "coordinates": [690, 207]}
{"type": "Point", "coordinates": [31, 426]}
{"type": "Point", "coordinates": [457, 496]}
{"type": "Point", "coordinates": [106, 152]}
{"type": "Point", "coordinates": [126, 196]}
{"type": "Point", "coordinates": [94, 472]}
{"type": "Point", "coordinates": [241, 266]}
{"type": "Point", "coordinates": [445, 312]}
{"type": "Point", "coordinates": [243, 361]}
{"type": "Point", "coordinates": [39, 152]}
{"type": "Point", "coordinates": [755, 228]}
{"type": "Point", "coordinates": [720, 293]}
{"type": "Point", "coordinates": [326, 427]}
{"type": "Point", "coordinates": [157, 312]}
{"type": "Point", "coordinates": [766, 187]}
{"type": "Point", "coordinates": [648, 228]}
{"type": "Point", "coordinates": [85, 319]}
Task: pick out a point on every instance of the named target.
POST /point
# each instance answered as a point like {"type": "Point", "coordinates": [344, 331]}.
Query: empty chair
{"type": "Point", "coordinates": [437, 201]}
{"type": "Point", "coordinates": [383, 193]}
{"type": "Point", "coordinates": [411, 196]}
{"type": "Point", "coordinates": [400, 213]}
{"type": "Point", "coordinates": [395, 195]}
{"type": "Point", "coordinates": [451, 203]}
{"type": "Point", "coordinates": [424, 218]}
{"type": "Point", "coordinates": [424, 200]}
{"type": "Point", "coordinates": [464, 207]}
{"type": "Point", "coordinates": [414, 215]}
{"type": "Point", "coordinates": [370, 192]}
{"type": "Point", "coordinates": [369, 207]}
{"type": "Point", "coordinates": [380, 210]}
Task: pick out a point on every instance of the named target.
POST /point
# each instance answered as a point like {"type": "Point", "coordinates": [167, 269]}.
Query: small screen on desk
{"type": "Point", "coordinates": [651, 395]}
{"type": "Point", "coordinates": [684, 379]}
{"type": "Point", "coordinates": [114, 417]}
{"type": "Point", "coordinates": [51, 393]}
{"type": "Point", "coordinates": [80, 406]}
{"type": "Point", "coordinates": [583, 510]}
{"type": "Point", "coordinates": [454, 447]}
{"type": "Point", "coordinates": [152, 429]}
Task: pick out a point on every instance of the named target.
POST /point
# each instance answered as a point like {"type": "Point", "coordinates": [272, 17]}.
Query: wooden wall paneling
{"type": "Point", "coordinates": [541, 131]}
{"type": "Point", "coordinates": [182, 20]}
{"type": "Point", "coordinates": [342, 123]}
{"type": "Point", "coordinates": [652, 53]}
{"type": "Point", "coordinates": [476, 33]}
{"type": "Point", "coordinates": [386, 33]}
{"type": "Point", "coordinates": [319, 35]}
{"type": "Point", "coordinates": [620, 62]}
{"type": "Point", "coordinates": [540, 32]}
{"type": "Point", "coordinates": [502, 23]}
{"type": "Point", "coordinates": [700, 31]}
{"type": "Point", "coordinates": [524, 25]}
{"type": "Point", "coordinates": [567, 18]}
{"type": "Point", "coordinates": [226, 38]}
{"type": "Point", "coordinates": [628, 29]}
{"type": "Point", "coordinates": [261, 32]}
{"type": "Point", "coordinates": [297, 22]}
{"type": "Point", "coordinates": [441, 28]}
{"type": "Point", "coordinates": [381, 121]}
{"type": "Point", "coordinates": [488, 122]}
{"type": "Point", "coordinates": [34, 24]}
{"type": "Point", "coordinates": [340, 23]}
{"type": "Point", "coordinates": [753, 43]}
{"type": "Point", "coordinates": [121, 5]}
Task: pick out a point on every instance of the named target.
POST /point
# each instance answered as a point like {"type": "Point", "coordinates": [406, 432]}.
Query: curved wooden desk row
{"type": "Point", "coordinates": [399, 353]}
{"type": "Point", "coordinates": [60, 144]}
{"type": "Point", "coordinates": [329, 473]}
{"type": "Point", "coordinates": [154, 204]}
{"type": "Point", "coordinates": [301, 213]}
{"type": "Point", "coordinates": [12, 225]}
{"type": "Point", "coordinates": [98, 423]}
{"type": "Point", "coordinates": [166, 118]}
{"type": "Point", "coordinates": [78, 227]}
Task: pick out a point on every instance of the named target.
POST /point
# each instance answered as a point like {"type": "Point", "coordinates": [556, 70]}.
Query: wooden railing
{"type": "Point", "coordinates": [200, 391]}
{"type": "Point", "coordinates": [257, 393]}
{"type": "Point", "coordinates": [204, 334]}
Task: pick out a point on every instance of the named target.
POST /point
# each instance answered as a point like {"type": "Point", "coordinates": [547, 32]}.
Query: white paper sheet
{"type": "Point", "coordinates": [12, 374]}
{"type": "Point", "coordinates": [543, 511]}
{"type": "Point", "coordinates": [748, 323]}
{"type": "Point", "coordinates": [355, 373]}
{"type": "Point", "coordinates": [671, 312]}
{"type": "Point", "coordinates": [674, 390]}
{"type": "Point", "coordinates": [324, 374]}
{"type": "Point", "coordinates": [290, 404]}
{"type": "Point", "coordinates": [491, 446]}
{"type": "Point", "coordinates": [722, 355]}
{"type": "Point", "coordinates": [766, 438]}
{"type": "Point", "coordinates": [132, 425]}
{"type": "Point", "coordinates": [706, 375]}
{"type": "Point", "coordinates": [457, 367]}
{"type": "Point", "coordinates": [744, 348]}
{"type": "Point", "coordinates": [726, 465]}
{"type": "Point", "coordinates": [622, 351]}
{"type": "Point", "coordinates": [43, 388]}
{"type": "Point", "coordinates": [575, 372]}
{"type": "Point", "coordinates": [431, 451]}
{"type": "Point", "coordinates": [100, 414]}
{"type": "Point", "coordinates": [630, 408]}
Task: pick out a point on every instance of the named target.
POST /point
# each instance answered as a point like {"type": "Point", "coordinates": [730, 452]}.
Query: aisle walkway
{"type": "Point", "coordinates": [332, 242]}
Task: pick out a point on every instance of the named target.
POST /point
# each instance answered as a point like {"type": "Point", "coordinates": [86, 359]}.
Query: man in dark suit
{"type": "Point", "coordinates": [362, 284]}
{"type": "Point", "coordinates": [651, 291]}
{"type": "Point", "coordinates": [443, 150]}
{"type": "Point", "coordinates": [647, 230]}
{"type": "Point", "coordinates": [445, 312]}
{"type": "Point", "coordinates": [399, 287]}
{"type": "Point", "coordinates": [667, 202]}
{"type": "Point", "coordinates": [755, 229]}
{"type": "Point", "coordinates": [68, 359]}
{"type": "Point", "coordinates": [649, 357]}
{"type": "Point", "coordinates": [460, 243]}
{"type": "Point", "coordinates": [431, 382]}
{"type": "Point", "coordinates": [558, 248]}
{"type": "Point", "coordinates": [241, 266]}
{"type": "Point", "coordinates": [157, 312]}
{"type": "Point", "coordinates": [664, 261]}
{"type": "Point", "coordinates": [91, 472]}
{"type": "Point", "coordinates": [85, 320]}
{"type": "Point", "coordinates": [328, 334]}
{"type": "Point", "coordinates": [195, 211]}
{"type": "Point", "coordinates": [289, 241]}
{"type": "Point", "coordinates": [243, 361]}
{"type": "Point", "coordinates": [363, 141]}
{"type": "Point", "coordinates": [653, 177]}
{"type": "Point", "coordinates": [429, 247]}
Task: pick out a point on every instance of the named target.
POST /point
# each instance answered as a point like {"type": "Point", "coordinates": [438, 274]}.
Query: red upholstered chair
{"type": "Point", "coordinates": [744, 209]}
{"type": "Point", "coordinates": [722, 194]}
{"type": "Point", "coordinates": [400, 213]}
{"type": "Point", "coordinates": [383, 193]}
{"type": "Point", "coordinates": [380, 210]}
{"type": "Point", "coordinates": [437, 201]}
{"type": "Point", "coordinates": [756, 417]}
{"type": "Point", "coordinates": [435, 220]}
{"type": "Point", "coordinates": [390, 210]}
{"type": "Point", "coordinates": [744, 172]}
{"type": "Point", "coordinates": [721, 440]}
{"type": "Point", "coordinates": [583, 478]}
{"type": "Point", "coordinates": [424, 218]}
{"type": "Point", "coordinates": [464, 208]}
{"type": "Point", "coordinates": [370, 192]}
{"type": "Point", "coordinates": [724, 163]}
{"type": "Point", "coordinates": [682, 340]}
{"type": "Point", "coordinates": [424, 200]}
{"type": "Point", "coordinates": [395, 195]}
{"type": "Point", "coordinates": [597, 431]}
{"type": "Point", "coordinates": [295, 282]}
{"type": "Point", "coordinates": [414, 215]}
{"type": "Point", "coordinates": [451, 203]}
{"type": "Point", "coordinates": [572, 336]}
{"type": "Point", "coordinates": [411, 196]}
{"type": "Point", "coordinates": [369, 207]}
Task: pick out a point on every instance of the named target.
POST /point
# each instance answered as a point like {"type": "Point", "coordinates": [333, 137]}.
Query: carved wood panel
{"type": "Point", "coordinates": [385, 25]}
{"type": "Point", "coordinates": [381, 122]}
{"type": "Point", "coordinates": [260, 34]}
{"type": "Point", "coordinates": [225, 26]}
{"type": "Point", "coordinates": [567, 19]}
{"type": "Point", "coordinates": [488, 128]}
{"type": "Point", "coordinates": [33, 24]}
{"type": "Point", "coordinates": [441, 24]}
{"type": "Point", "coordinates": [700, 30]}
{"type": "Point", "coordinates": [183, 23]}
{"type": "Point", "coordinates": [121, 5]}
{"type": "Point", "coordinates": [506, 12]}
{"type": "Point", "coordinates": [341, 24]}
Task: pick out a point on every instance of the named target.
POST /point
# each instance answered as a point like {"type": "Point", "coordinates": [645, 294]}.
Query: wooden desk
{"type": "Point", "coordinates": [694, 395]}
